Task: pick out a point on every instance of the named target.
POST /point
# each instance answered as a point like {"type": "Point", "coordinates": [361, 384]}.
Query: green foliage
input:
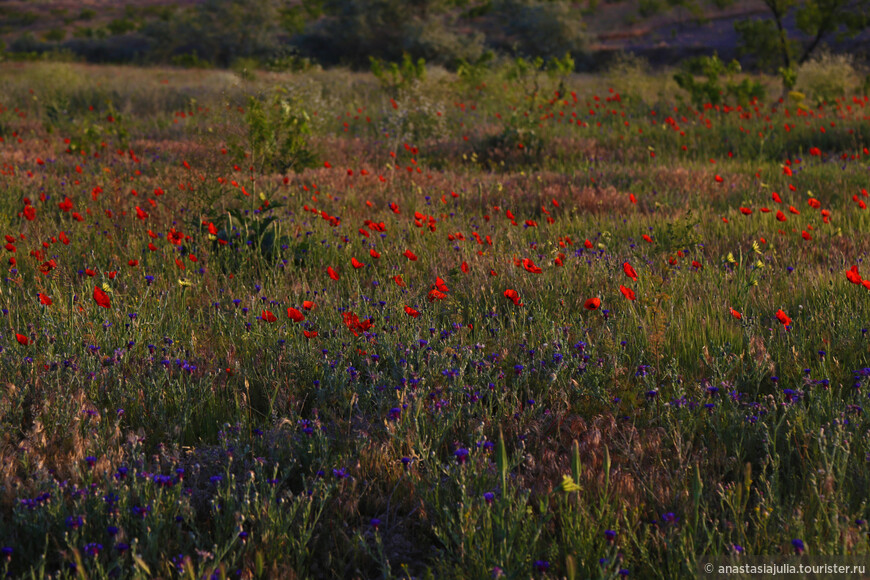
{"type": "Point", "coordinates": [121, 26]}
{"type": "Point", "coordinates": [219, 32]}
{"type": "Point", "coordinates": [680, 235]}
{"type": "Point", "coordinates": [261, 231]}
{"type": "Point", "coordinates": [648, 8]}
{"type": "Point", "coordinates": [277, 137]}
{"type": "Point", "coordinates": [55, 35]}
{"type": "Point", "coordinates": [769, 40]}
{"type": "Point", "coordinates": [354, 31]}
{"type": "Point", "coordinates": [190, 60]}
{"type": "Point", "coordinates": [544, 29]}
{"type": "Point", "coordinates": [710, 89]}
{"type": "Point", "coordinates": [760, 38]}
{"type": "Point", "coordinates": [827, 77]}
{"type": "Point", "coordinates": [471, 74]}
{"type": "Point", "coordinates": [295, 18]}
{"type": "Point", "coordinates": [397, 78]}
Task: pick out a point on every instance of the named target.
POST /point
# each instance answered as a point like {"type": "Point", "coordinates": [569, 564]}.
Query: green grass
{"type": "Point", "coordinates": [191, 437]}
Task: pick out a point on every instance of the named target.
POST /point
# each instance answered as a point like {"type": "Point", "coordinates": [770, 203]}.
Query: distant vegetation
{"type": "Point", "coordinates": [774, 36]}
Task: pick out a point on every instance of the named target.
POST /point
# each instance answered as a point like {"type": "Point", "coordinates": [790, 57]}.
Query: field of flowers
{"type": "Point", "coordinates": [498, 324]}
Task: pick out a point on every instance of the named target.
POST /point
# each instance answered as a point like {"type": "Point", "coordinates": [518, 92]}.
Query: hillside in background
{"type": "Point", "coordinates": [285, 33]}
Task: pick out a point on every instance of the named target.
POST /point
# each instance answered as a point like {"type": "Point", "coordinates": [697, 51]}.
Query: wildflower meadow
{"type": "Point", "coordinates": [505, 322]}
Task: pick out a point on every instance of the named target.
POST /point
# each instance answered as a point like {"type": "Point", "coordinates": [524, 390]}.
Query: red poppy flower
{"type": "Point", "coordinates": [853, 275]}
{"type": "Point", "coordinates": [783, 317]}
{"type": "Point", "coordinates": [629, 271]}
{"type": "Point", "coordinates": [133, 263]}
{"type": "Point", "coordinates": [464, 267]}
{"type": "Point", "coordinates": [29, 213]}
{"type": "Point", "coordinates": [531, 267]}
{"type": "Point", "coordinates": [436, 295]}
{"type": "Point", "coordinates": [411, 312]}
{"type": "Point", "coordinates": [44, 299]}
{"type": "Point", "coordinates": [410, 255]}
{"type": "Point", "coordinates": [101, 298]}
{"type": "Point", "coordinates": [175, 237]}
{"type": "Point", "coordinates": [356, 263]}
{"type": "Point", "coordinates": [308, 305]}
{"type": "Point", "coordinates": [355, 325]}
{"type": "Point", "coordinates": [513, 296]}
{"type": "Point", "coordinates": [647, 239]}
{"type": "Point", "coordinates": [267, 316]}
{"type": "Point", "coordinates": [776, 197]}
{"type": "Point", "coordinates": [398, 280]}
{"type": "Point", "coordinates": [587, 244]}
{"type": "Point", "coordinates": [295, 315]}
{"type": "Point", "coordinates": [627, 292]}
{"type": "Point", "coordinates": [332, 273]}
{"type": "Point", "coordinates": [736, 314]}
{"type": "Point", "coordinates": [374, 254]}
{"type": "Point", "coordinates": [309, 333]}
{"type": "Point", "coordinates": [745, 211]}
{"type": "Point", "coordinates": [22, 339]}
{"type": "Point", "coordinates": [592, 304]}
{"type": "Point", "coordinates": [780, 217]}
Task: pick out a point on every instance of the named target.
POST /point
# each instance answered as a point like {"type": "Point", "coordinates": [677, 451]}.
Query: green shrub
{"type": "Point", "coordinates": [277, 135]}
{"type": "Point", "coordinates": [354, 30]}
{"type": "Point", "coordinates": [396, 78]}
{"type": "Point", "coordinates": [711, 90]}
{"type": "Point", "coordinates": [545, 29]}
{"type": "Point", "coordinates": [827, 77]}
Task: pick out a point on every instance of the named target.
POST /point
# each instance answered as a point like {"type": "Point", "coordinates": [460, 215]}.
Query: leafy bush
{"type": "Point", "coordinates": [827, 77]}
{"type": "Point", "coordinates": [435, 41]}
{"type": "Point", "coordinates": [125, 48]}
{"type": "Point", "coordinates": [396, 78]}
{"type": "Point", "coordinates": [711, 90]}
{"type": "Point", "coordinates": [220, 31]}
{"type": "Point", "coordinates": [545, 29]}
{"type": "Point", "coordinates": [354, 30]}
{"type": "Point", "coordinates": [630, 73]}
{"type": "Point", "coordinates": [277, 136]}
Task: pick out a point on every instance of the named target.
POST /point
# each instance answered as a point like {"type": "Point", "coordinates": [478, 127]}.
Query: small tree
{"type": "Point", "coordinates": [769, 39]}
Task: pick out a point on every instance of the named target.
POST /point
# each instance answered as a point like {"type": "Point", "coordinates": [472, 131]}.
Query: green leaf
{"type": "Point", "coordinates": [501, 460]}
